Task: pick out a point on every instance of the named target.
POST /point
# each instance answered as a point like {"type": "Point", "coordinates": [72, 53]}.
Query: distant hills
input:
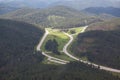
{"type": "Point", "coordinates": [6, 9]}
{"type": "Point", "coordinates": [80, 4]}
{"type": "Point", "coordinates": [58, 16]}
{"type": "Point", "coordinates": [102, 10]}
{"type": "Point", "coordinates": [27, 3]}
{"type": "Point", "coordinates": [77, 4]}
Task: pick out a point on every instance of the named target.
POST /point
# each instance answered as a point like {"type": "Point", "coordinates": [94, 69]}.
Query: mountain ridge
{"type": "Point", "coordinates": [58, 16]}
{"type": "Point", "coordinates": [104, 10]}
{"type": "Point", "coordinates": [77, 4]}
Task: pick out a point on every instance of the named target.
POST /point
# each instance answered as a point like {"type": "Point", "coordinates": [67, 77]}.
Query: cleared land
{"type": "Point", "coordinates": [61, 39]}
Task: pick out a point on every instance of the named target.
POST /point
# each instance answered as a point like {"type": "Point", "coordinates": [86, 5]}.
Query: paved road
{"type": "Point", "coordinates": [60, 61]}
{"type": "Point", "coordinates": [42, 40]}
{"type": "Point", "coordinates": [66, 46]}
{"type": "Point", "coordinates": [86, 62]}
{"type": "Point", "coordinates": [70, 41]}
{"type": "Point", "coordinates": [50, 58]}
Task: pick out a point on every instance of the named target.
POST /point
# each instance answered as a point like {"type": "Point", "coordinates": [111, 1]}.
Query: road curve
{"type": "Point", "coordinates": [70, 41]}
{"type": "Point", "coordinates": [86, 62]}
{"type": "Point", "coordinates": [50, 58]}
{"type": "Point", "coordinates": [42, 40]}
{"type": "Point", "coordinates": [66, 46]}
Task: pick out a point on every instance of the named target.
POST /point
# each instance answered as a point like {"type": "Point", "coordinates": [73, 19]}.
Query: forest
{"type": "Point", "coordinates": [52, 45]}
{"type": "Point", "coordinates": [100, 44]}
{"type": "Point", "coordinates": [20, 61]}
{"type": "Point", "coordinates": [21, 29]}
{"type": "Point", "coordinates": [57, 17]}
{"type": "Point", "coordinates": [17, 46]}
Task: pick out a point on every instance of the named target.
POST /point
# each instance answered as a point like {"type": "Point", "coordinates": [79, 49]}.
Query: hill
{"type": "Point", "coordinates": [20, 61]}
{"type": "Point", "coordinates": [59, 16]}
{"type": "Point", "coordinates": [77, 4]}
{"type": "Point", "coordinates": [27, 3]}
{"type": "Point", "coordinates": [17, 43]}
{"type": "Point", "coordinates": [100, 44]}
{"type": "Point", "coordinates": [80, 4]}
{"type": "Point", "coordinates": [102, 10]}
{"type": "Point", "coordinates": [6, 8]}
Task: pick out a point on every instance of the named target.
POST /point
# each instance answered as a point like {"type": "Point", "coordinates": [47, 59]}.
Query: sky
{"type": "Point", "coordinates": [51, 0]}
{"type": "Point", "coordinates": [77, 4]}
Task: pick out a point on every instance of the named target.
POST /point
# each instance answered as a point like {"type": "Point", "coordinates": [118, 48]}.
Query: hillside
{"type": "Point", "coordinates": [100, 44]}
{"type": "Point", "coordinates": [102, 10]}
{"type": "Point", "coordinates": [77, 4]}
{"type": "Point", "coordinates": [17, 43]}
{"type": "Point", "coordinates": [27, 3]}
{"type": "Point", "coordinates": [80, 4]}
{"type": "Point", "coordinates": [59, 16]}
{"type": "Point", "coordinates": [20, 61]}
{"type": "Point", "coordinates": [6, 9]}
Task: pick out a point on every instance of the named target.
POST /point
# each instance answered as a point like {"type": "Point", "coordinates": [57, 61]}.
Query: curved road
{"type": "Point", "coordinates": [60, 61]}
{"type": "Point", "coordinates": [70, 41]}
{"type": "Point", "coordinates": [86, 62]}
{"type": "Point", "coordinates": [50, 58]}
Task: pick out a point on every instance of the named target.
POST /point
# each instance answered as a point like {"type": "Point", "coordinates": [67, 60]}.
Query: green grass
{"type": "Point", "coordinates": [77, 31]}
{"type": "Point", "coordinates": [61, 56]}
{"type": "Point", "coordinates": [59, 36]}
{"type": "Point", "coordinates": [116, 74]}
{"type": "Point", "coordinates": [62, 39]}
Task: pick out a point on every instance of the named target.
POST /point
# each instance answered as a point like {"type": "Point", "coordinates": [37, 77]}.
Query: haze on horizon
{"type": "Point", "coordinates": [77, 4]}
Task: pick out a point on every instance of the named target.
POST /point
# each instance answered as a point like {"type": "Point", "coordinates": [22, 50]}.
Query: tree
{"type": "Point", "coordinates": [52, 45]}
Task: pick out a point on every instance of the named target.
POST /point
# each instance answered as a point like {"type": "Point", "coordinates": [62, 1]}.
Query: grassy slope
{"type": "Point", "coordinates": [61, 38]}
{"type": "Point", "coordinates": [77, 31]}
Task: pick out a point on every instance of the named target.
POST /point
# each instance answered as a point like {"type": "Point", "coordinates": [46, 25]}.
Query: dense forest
{"type": "Point", "coordinates": [22, 27]}
{"type": "Point", "coordinates": [100, 44]}
{"type": "Point", "coordinates": [71, 71]}
{"type": "Point", "coordinates": [52, 45]}
{"type": "Point", "coordinates": [17, 46]}
{"type": "Point", "coordinates": [102, 10]}
{"type": "Point", "coordinates": [20, 61]}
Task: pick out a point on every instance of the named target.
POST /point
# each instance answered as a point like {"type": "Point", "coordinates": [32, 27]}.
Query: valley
{"type": "Point", "coordinates": [59, 40]}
